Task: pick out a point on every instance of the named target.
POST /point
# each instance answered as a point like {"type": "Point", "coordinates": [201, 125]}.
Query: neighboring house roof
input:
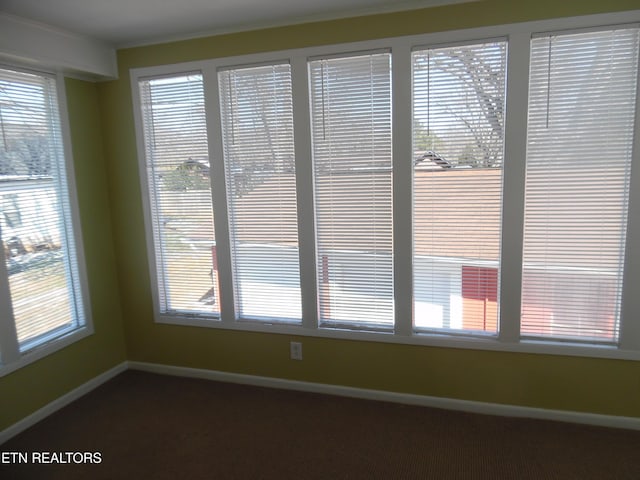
{"type": "Point", "coordinates": [430, 160]}
{"type": "Point", "coordinates": [456, 213]}
{"type": "Point", "coordinates": [195, 164]}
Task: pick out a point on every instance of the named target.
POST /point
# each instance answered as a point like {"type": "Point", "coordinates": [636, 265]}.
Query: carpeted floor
{"type": "Point", "coordinates": [145, 426]}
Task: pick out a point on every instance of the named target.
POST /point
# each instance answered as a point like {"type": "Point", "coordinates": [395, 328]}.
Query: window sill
{"type": "Point", "coordinates": [46, 349]}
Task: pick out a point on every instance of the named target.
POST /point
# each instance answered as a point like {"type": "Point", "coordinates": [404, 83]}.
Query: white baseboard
{"type": "Point", "coordinates": [631, 423]}
{"type": "Point", "coordinates": [60, 402]}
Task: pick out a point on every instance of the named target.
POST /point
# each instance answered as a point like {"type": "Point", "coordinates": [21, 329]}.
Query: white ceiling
{"type": "Point", "coordinates": [134, 22]}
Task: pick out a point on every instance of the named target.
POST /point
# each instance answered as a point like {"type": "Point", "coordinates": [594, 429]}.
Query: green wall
{"type": "Point", "coordinates": [26, 390]}
{"type": "Point", "coordinates": [555, 382]}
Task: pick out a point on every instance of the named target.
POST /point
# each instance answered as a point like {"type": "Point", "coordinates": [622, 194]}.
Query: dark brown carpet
{"type": "Point", "coordinates": [157, 427]}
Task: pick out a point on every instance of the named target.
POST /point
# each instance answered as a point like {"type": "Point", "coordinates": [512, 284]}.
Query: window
{"type": "Point", "coordinates": [41, 267]}
{"type": "Point", "coordinates": [178, 172]}
{"type": "Point", "coordinates": [579, 151]}
{"type": "Point", "coordinates": [351, 136]}
{"type": "Point", "coordinates": [499, 157]}
{"type": "Point", "coordinates": [257, 124]}
{"type": "Point", "coordinates": [458, 143]}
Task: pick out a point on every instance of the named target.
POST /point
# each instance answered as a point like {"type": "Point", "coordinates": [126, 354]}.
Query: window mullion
{"type": "Point", "coordinates": [9, 349]}
{"type": "Point", "coordinates": [219, 194]}
{"type": "Point", "coordinates": [513, 186]}
{"type": "Point", "coordinates": [402, 189]}
{"type": "Point", "coordinates": [304, 185]}
{"type": "Point", "coordinates": [76, 263]}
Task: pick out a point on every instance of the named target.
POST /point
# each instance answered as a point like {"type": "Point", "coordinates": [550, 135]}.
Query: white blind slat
{"type": "Point", "coordinates": [351, 135]}
{"type": "Point", "coordinates": [458, 142]}
{"type": "Point", "coordinates": [35, 214]}
{"type": "Point", "coordinates": [581, 114]}
{"type": "Point", "coordinates": [178, 171]}
{"type": "Point", "coordinates": [257, 123]}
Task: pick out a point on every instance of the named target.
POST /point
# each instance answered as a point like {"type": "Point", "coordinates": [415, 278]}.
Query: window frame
{"type": "Point", "coordinates": [11, 359]}
{"type": "Point", "coordinates": [479, 262]}
{"type": "Point", "coordinates": [322, 268]}
{"type": "Point", "coordinates": [232, 233]}
{"type": "Point", "coordinates": [152, 214]}
{"type": "Point", "coordinates": [623, 178]}
{"type": "Point", "coordinates": [518, 37]}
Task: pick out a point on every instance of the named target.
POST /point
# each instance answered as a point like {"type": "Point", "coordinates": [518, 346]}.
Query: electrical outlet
{"type": "Point", "coordinates": [296, 350]}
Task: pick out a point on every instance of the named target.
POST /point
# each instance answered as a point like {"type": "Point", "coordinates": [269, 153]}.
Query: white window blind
{"type": "Point", "coordinates": [179, 189]}
{"type": "Point", "coordinates": [458, 143]}
{"type": "Point", "coordinates": [35, 212]}
{"type": "Point", "coordinates": [579, 151]}
{"type": "Point", "coordinates": [351, 134]}
{"type": "Point", "coordinates": [257, 124]}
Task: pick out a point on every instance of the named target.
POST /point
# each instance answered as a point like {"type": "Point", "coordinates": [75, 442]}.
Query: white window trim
{"type": "Point", "coordinates": [519, 36]}
{"type": "Point", "coordinates": [13, 360]}
{"type": "Point", "coordinates": [282, 116]}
